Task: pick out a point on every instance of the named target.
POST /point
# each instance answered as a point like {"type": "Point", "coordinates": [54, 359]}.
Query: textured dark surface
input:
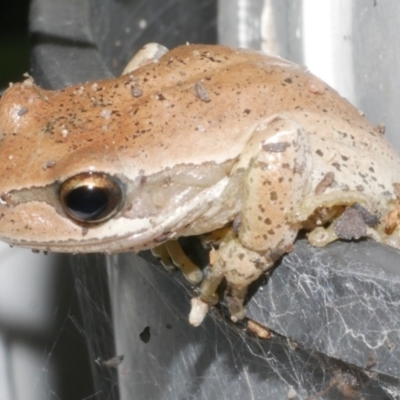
{"type": "Point", "coordinates": [342, 300]}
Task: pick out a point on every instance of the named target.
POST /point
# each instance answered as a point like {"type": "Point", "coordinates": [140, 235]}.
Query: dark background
{"type": "Point", "coordinates": [14, 48]}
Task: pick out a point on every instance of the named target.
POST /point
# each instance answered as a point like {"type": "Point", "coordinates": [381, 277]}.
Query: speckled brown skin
{"type": "Point", "coordinates": [206, 135]}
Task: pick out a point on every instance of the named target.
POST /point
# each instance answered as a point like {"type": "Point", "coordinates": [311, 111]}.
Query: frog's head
{"type": "Point", "coordinates": [73, 180]}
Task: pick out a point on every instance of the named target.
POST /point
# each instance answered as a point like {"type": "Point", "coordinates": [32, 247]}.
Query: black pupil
{"type": "Point", "coordinates": [87, 203]}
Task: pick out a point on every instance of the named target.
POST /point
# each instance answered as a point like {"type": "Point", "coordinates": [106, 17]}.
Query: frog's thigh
{"type": "Point", "coordinates": [275, 183]}
{"type": "Point", "coordinates": [171, 254]}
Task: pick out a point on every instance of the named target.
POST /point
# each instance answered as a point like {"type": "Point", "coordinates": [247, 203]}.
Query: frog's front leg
{"type": "Point", "coordinates": [274, 184]}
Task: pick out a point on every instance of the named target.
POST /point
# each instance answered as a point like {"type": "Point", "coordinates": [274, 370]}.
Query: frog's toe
{"type": "Point", "coordinates": [234, 299]}
{"type": "Point", "coordinates": [320, 236]}
{"type": "Point", "coordinates": [171, 254]}
{"type": "Point", "coordinates": [198, 311]}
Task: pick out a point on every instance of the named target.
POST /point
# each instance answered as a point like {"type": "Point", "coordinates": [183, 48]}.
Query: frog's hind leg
{"type": "Point", "coordinates": [275, 183]}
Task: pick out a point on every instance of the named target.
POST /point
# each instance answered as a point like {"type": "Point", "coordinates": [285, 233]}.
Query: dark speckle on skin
{"type": "Point", "coordinates": [279, 147]}
{"type": "Point", "coordinates": [326, 182]}
{"type": "Point", "coordinates": [273, 196]}
{"type": "Point", "coordinates": [319, 152]}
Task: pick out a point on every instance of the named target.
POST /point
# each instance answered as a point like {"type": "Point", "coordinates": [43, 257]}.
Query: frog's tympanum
{"type": "Point", "coordinates": [198, 140]}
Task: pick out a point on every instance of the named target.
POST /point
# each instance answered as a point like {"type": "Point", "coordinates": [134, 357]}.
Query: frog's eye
{"type": "Point", "coordinates": [91, 197]}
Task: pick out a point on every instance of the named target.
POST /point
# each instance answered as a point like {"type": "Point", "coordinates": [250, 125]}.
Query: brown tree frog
{"type": "Point", "coordinates": [200, 139]}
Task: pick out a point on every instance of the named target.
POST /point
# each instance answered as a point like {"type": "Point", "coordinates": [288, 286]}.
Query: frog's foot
{"type": "Point", "coordinates": [171, 255]}
{"type": "Point", "coordinates": [239, 267]}
{"type": "Point", "coordinates": [149, 53]}
{"type": "Point", "coordinates": [354, 223]}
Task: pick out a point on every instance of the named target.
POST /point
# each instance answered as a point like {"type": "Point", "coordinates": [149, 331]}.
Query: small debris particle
{"type": "Point", "coordinates": [201, 93]}
{"type": "Point", "coordinates": [28, 82]}
{"type": "Point", "coordinates": [110, 363]}
{"type": "Point", "coordinates": [279, 147]}
{"type": "Point", "coordinates": [64, 132]}
{"type": "Point", "coordinates": [142, 24]}
{"type": "Point", "coordinates": [48, 164]}
{"type": "Point", "coordinates": [291, 393]}
{"type": "Point", "coordinates": [106, 114]}
{"type": "Point", "coordinates": [370, 219]}
{"type": "Point", "coordinates": [85, 230]}
{"type": "Point", "coordinates": [22, 111]}
{"type": "Point", "coordinates": [371, 361]}
{"type": "Point", "coordinates": [350, 225]}
{"type": "Point", "coordinates": [293, 345]}
{"type": "Point", "coordinates": [260, 330]}
{"type": "Point", "coordinates": [145, 335]}
{"type": "Point", "coordinates": [381, 128]}
{"type": "Point", "coordinates": [237, 222]}
{"type": "Point", "coordinates": [326, 181]}
{"type": "Point", "coordinates": [316, 86]}
{"type": "Point", "coordinates": [136, 91]}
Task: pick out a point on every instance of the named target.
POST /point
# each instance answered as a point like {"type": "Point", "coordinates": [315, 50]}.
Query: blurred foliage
{"type": "Point", "coordinates": [14, 49]}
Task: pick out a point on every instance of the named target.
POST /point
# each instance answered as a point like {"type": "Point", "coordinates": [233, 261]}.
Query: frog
{"type": "Point", "coordinates": [238, 148]}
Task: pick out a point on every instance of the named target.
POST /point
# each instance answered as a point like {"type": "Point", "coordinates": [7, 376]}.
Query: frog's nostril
{"type": "Point", "coordinates": [91, 197]}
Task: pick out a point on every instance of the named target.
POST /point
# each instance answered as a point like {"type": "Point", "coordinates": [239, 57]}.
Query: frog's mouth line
{"type": "Point", "coordinates": [109, 245]}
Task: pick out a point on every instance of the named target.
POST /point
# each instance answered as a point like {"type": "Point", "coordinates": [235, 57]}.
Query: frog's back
{"type": "Point", "coordinates": [198, 104]}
